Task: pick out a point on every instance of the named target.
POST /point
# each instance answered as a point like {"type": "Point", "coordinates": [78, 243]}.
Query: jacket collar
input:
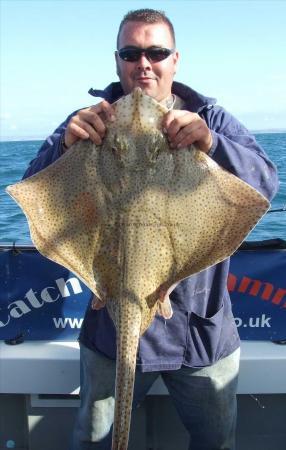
{"type": "Point", "coordinates": [194, 101]}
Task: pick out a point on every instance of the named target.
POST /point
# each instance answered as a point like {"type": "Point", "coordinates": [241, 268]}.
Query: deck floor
{"type": "Point", "coordinates": [155, 426]}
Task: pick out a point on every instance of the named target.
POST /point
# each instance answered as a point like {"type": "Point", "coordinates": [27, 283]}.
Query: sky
{"type": "Point", "coordinates": [53, 51]}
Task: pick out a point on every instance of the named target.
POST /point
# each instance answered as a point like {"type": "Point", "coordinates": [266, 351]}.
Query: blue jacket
{"type": "Point", "coordinates": [202, 329]}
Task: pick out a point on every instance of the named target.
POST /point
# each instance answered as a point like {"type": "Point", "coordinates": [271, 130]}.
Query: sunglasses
{"type": "Point", "coordinates": [153, 54]}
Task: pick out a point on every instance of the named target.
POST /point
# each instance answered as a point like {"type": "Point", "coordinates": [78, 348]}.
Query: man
{"type": "Point", "coordinates": [197, 350]}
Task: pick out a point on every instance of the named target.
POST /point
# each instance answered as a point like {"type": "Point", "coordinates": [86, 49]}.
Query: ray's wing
{"type": "Point", "coordinates": [63, 204]}
{"type": "Point", "coordinates": [211, 212]}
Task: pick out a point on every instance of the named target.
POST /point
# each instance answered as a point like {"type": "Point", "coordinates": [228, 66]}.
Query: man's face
{"type": "Point", "coordinates": [154, 78]}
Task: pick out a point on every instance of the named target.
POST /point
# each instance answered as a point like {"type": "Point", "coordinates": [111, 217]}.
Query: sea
{"type": "Point", "coordinates": [16, 155]}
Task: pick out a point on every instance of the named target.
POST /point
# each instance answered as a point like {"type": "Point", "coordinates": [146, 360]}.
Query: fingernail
{"type": "Point", "coordinates": [112, 118]}
{"type": "Point", "coordinates": [164, 130]}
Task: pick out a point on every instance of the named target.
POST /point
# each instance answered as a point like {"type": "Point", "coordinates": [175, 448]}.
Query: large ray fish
{"type": "Point", "coordinates": [131, 218]}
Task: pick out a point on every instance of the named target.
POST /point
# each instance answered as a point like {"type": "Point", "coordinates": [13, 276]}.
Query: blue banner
{"type": "Point", "coordinates": [40, 300]}
{"type": "Point", "coordinates": [257, 286]}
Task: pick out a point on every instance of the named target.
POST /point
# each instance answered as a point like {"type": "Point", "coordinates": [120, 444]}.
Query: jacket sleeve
{"type": "Point", "coordinates": [49, 152]}
{"type": "Point", "coordinates": [236, 150]}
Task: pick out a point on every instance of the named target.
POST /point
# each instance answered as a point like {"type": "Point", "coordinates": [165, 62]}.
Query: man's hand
{"type": "Point", "coordinates": [89, 123]}
{"type": "Point", "coordinates": [184, 128]}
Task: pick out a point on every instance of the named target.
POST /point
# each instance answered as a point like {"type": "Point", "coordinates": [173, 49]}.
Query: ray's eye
{"type": "Point", "coordinates": [155, 147]}
{"type": "Point", "coordinates": [119, 148]}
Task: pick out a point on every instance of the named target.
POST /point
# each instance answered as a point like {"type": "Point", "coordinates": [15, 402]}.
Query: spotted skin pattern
{"type": "Point", "coordinates": [131, 218]}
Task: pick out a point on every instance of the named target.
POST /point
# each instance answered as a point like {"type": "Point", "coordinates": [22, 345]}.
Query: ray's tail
{"type": "Point", "coordinates": [127, 344]}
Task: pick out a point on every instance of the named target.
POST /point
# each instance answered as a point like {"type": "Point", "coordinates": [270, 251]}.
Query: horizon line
{"type": "Point", "coordinates": [41, 138]}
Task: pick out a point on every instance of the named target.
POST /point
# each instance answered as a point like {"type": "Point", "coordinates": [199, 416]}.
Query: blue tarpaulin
{"type": "Point", "coordinates": [40, 300]}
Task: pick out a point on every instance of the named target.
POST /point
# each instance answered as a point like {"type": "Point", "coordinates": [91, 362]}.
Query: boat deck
{"type": "Point", "coordinates": [39, 383]}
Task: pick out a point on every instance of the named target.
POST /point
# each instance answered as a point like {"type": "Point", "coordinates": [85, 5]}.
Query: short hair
{"type": "Point", "coordinates": [147, 15]}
